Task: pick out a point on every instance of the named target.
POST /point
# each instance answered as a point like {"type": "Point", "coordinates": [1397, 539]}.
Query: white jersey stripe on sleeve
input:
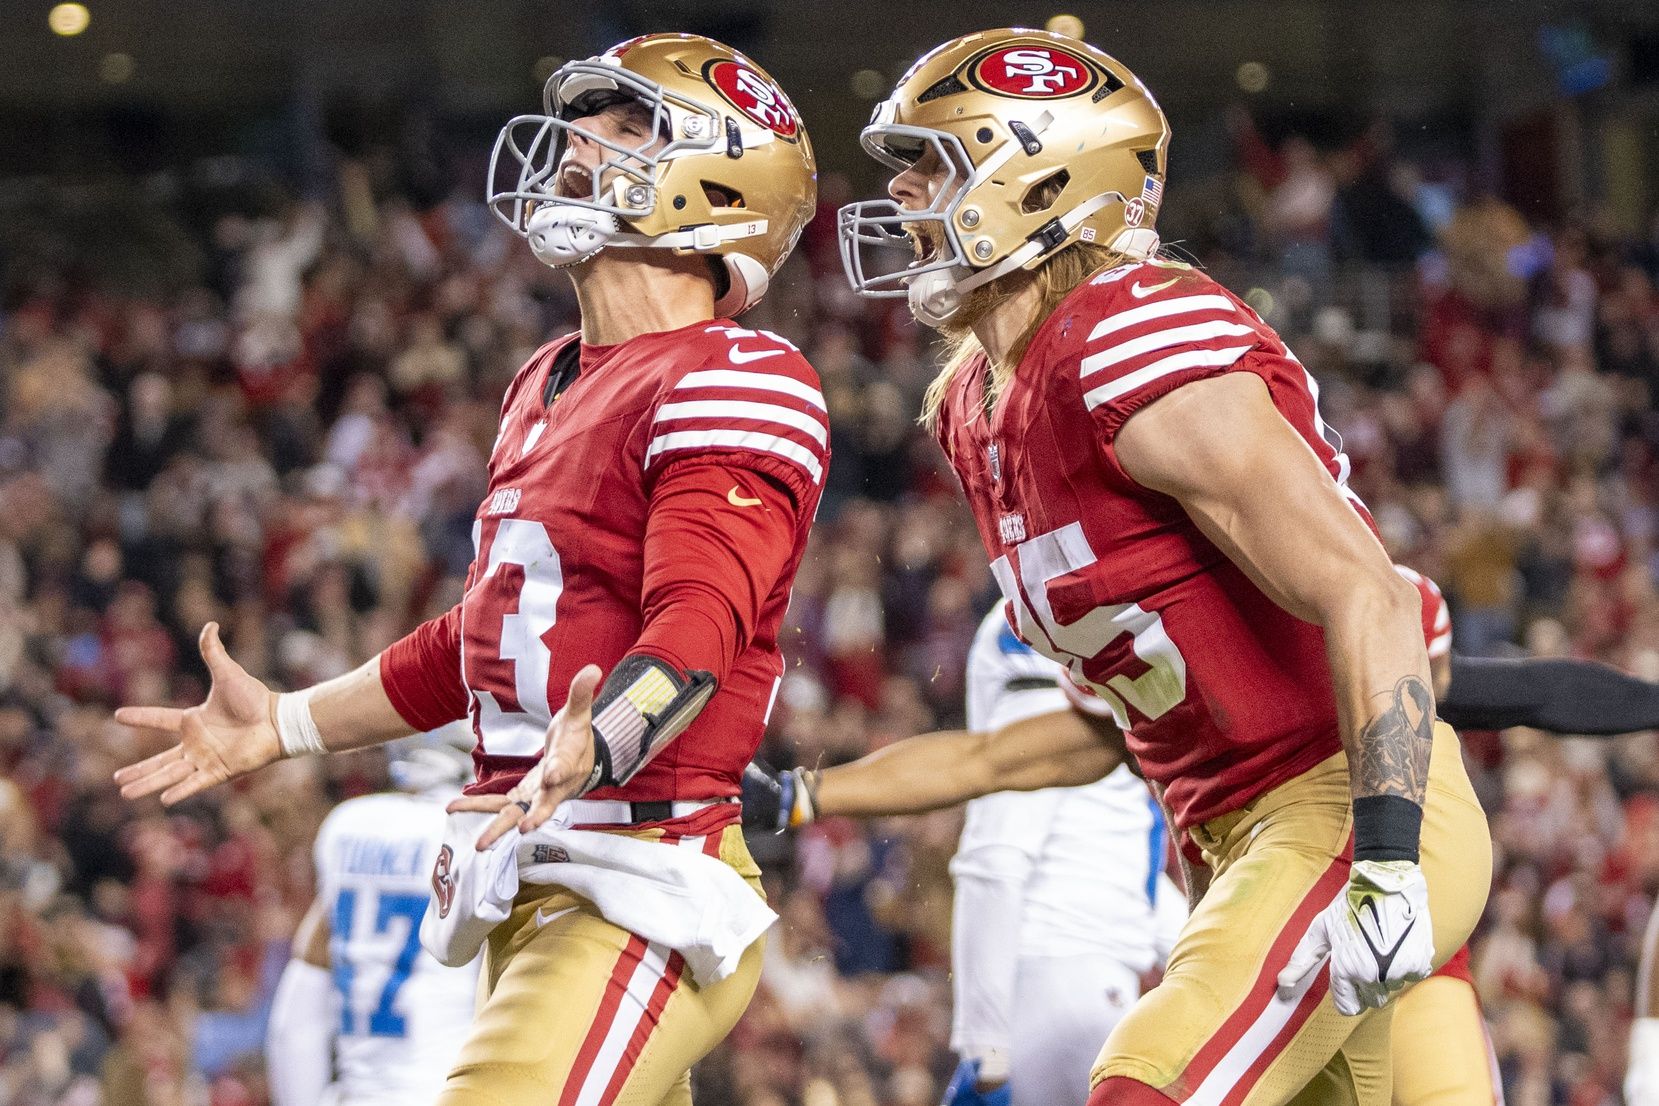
{"type": "Point", "coordinates": [738, 439]}
{"type": "Point", "coordinates": [767, 382]}
{"type": "Point", "coordinates": [1159, 309]}
{"type": "Point", "coordinates": [1191, 359]}
{"type": "Point", "coordinates": [1160, 339]}
{"type": "Point", "coordinates": [738, 409]}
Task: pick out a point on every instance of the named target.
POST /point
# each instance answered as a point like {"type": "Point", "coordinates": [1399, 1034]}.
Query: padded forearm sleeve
{"type": "Point", "coordinates": [643, 705]}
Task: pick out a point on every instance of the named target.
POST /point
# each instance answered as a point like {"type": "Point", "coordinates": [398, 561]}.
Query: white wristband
{"type": "Point", "coordinates": [296, 729]}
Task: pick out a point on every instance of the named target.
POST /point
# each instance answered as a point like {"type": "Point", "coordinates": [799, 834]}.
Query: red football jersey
{"type": "Point", "coordinates": [1222, 693]}
{"type": "Point", "coordinates": [557, 579]}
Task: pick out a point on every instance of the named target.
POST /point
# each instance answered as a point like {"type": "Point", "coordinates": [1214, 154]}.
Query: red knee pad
{"type": "Point", "coordinates": [1120, 1090]}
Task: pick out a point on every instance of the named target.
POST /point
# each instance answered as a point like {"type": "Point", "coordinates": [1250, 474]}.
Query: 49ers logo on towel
{"type": "Point", "coordinates": [754, 96]}
{"type": "Point", "coordinates": [443, 881]}
{"type": "Point", "coordinates": [1032, 72]}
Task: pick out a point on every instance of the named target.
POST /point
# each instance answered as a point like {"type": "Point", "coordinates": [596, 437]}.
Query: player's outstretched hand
{"type": "Point", "coordinates": [562, 771]}
{"type": "Point", "coordinates": [776, 800]}
{"type": "Point", "coordinates": [231, 733]}
{"type": "Point", "coordinates": [1377, 936]}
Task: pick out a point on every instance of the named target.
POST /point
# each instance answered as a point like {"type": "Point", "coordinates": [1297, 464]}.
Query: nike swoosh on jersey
{"type": "Point", "coordinates": [739, 501]}
{"type": "Point", "coordinates": [543, 919]}
{"type": "Point", "coordinates": [1140, 291]}
{"type": "Point", "coordinates": [744, 356]}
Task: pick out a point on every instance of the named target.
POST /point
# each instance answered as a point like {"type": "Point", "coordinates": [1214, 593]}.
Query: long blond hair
{"type": "Point", "coordinates": [1055, 280]}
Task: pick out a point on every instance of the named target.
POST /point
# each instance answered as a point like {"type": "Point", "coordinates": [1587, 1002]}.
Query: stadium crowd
{"type": "Point", "coordinates": [276, 413]}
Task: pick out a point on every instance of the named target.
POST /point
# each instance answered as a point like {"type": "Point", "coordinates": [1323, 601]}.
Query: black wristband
{"type": "Point", "coordinates": [601, 775]}
{"type": "Point", "coordinates": [1387, 827]}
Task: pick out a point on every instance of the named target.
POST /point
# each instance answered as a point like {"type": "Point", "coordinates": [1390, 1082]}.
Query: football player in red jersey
{"type": "Point", "coordinates": [649, 498]}
{"type": "Point", "coordinates": [1169, 520]}
{"type": "Point", "coordinates": [1441, 1050]}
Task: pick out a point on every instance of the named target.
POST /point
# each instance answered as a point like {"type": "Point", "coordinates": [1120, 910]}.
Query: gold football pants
{"type": "Point", "coordinates": [1442, 1054]}
{"type": "Point", "coordinates": [1215, 1032]}
{"type": "Point", "coordinates": [578, 1012]}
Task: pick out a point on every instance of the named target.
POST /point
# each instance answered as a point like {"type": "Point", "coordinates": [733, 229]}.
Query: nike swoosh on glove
{"type": "Point", "coordinates": [1377, 937]}
{"type": "Point", "coordinates": [964, 1089]}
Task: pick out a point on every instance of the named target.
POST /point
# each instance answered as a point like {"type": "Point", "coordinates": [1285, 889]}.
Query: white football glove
{"type": "Point", "coordinates": [1377, 936]}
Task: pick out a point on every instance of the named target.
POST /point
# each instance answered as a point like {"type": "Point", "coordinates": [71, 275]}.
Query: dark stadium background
{"type": "Point", "coordinates": [254, 328]}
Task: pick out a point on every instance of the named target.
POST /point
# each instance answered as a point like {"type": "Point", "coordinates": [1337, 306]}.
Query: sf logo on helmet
{"type": "Point", "coordinates": [1034, 72]}
{"type": "Point", "coordinates": [1040, 69]}
{"type": "Point", "coordinates": [754, 96]}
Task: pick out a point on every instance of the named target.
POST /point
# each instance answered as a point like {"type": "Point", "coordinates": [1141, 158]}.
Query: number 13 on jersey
{"type": "Point", "coordinates": [1046, 558]}
{"type": "Point", "coordinates": [511, 607]}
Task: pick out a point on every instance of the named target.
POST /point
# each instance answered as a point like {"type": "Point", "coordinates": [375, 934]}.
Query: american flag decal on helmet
{"type": "Point", "coordinates": [1152, 192]}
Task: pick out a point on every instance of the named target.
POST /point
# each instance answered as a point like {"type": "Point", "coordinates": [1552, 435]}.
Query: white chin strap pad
{"type": "Point", "coordinates": [563, 234]}
{"type": "Point", "coordinates": [934, 296]}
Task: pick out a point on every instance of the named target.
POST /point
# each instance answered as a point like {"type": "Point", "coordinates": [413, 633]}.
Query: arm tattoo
{"type": "Point", "coordinates": [1392, 757]}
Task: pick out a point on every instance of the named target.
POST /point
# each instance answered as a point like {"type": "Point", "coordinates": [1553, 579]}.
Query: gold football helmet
{"type": "Point", "coordinates": [727, 169]}
{"type": "Point", "coordinates": [1047, 141]}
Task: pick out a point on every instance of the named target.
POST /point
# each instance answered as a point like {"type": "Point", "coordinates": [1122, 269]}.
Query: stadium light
{"type": "Point", "coordinates": [867, 84]}
{"type": "Point", "coordinates": [116, 68]}
{"type": "Point", "coordinates": [68, 20]}
{"type": "Point", "coordinates": [1063, 24]}
{"type": "Point", "coordinates": [1261, 300]}
{"type": "Point", "coordinates": [1253, 76]}
{"type": "Point", "coordinates": [545, 67]}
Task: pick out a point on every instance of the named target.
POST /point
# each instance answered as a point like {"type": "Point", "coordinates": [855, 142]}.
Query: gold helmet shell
{"type": "Point", "coordinates": [727, 171]}
{"type": "Point", "coordinates": [1047, 141]}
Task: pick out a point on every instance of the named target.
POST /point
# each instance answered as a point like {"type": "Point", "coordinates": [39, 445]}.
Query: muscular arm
{"type": "Point", "coordinates": [938, 770]}
{"type": "Point", "coordinates": [1222, 450]}
{"type": "Point", "coordinates": [354, 711]}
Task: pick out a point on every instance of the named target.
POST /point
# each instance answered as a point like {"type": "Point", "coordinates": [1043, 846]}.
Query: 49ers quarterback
{"type": "Point", "coordinates": [650, 494]}
{"type": "Point", "coordinates": [1167, 515]}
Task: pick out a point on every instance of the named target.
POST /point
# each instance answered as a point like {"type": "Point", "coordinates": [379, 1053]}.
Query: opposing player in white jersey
{"type": "Point", "coordinates": [363, 1015]}
{"type": "Point", "coordinates": [1061, 904]}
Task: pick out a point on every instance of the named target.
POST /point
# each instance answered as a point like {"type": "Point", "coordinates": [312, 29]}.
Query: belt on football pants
{"type": "Point", "coordinates": [621, 812]}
